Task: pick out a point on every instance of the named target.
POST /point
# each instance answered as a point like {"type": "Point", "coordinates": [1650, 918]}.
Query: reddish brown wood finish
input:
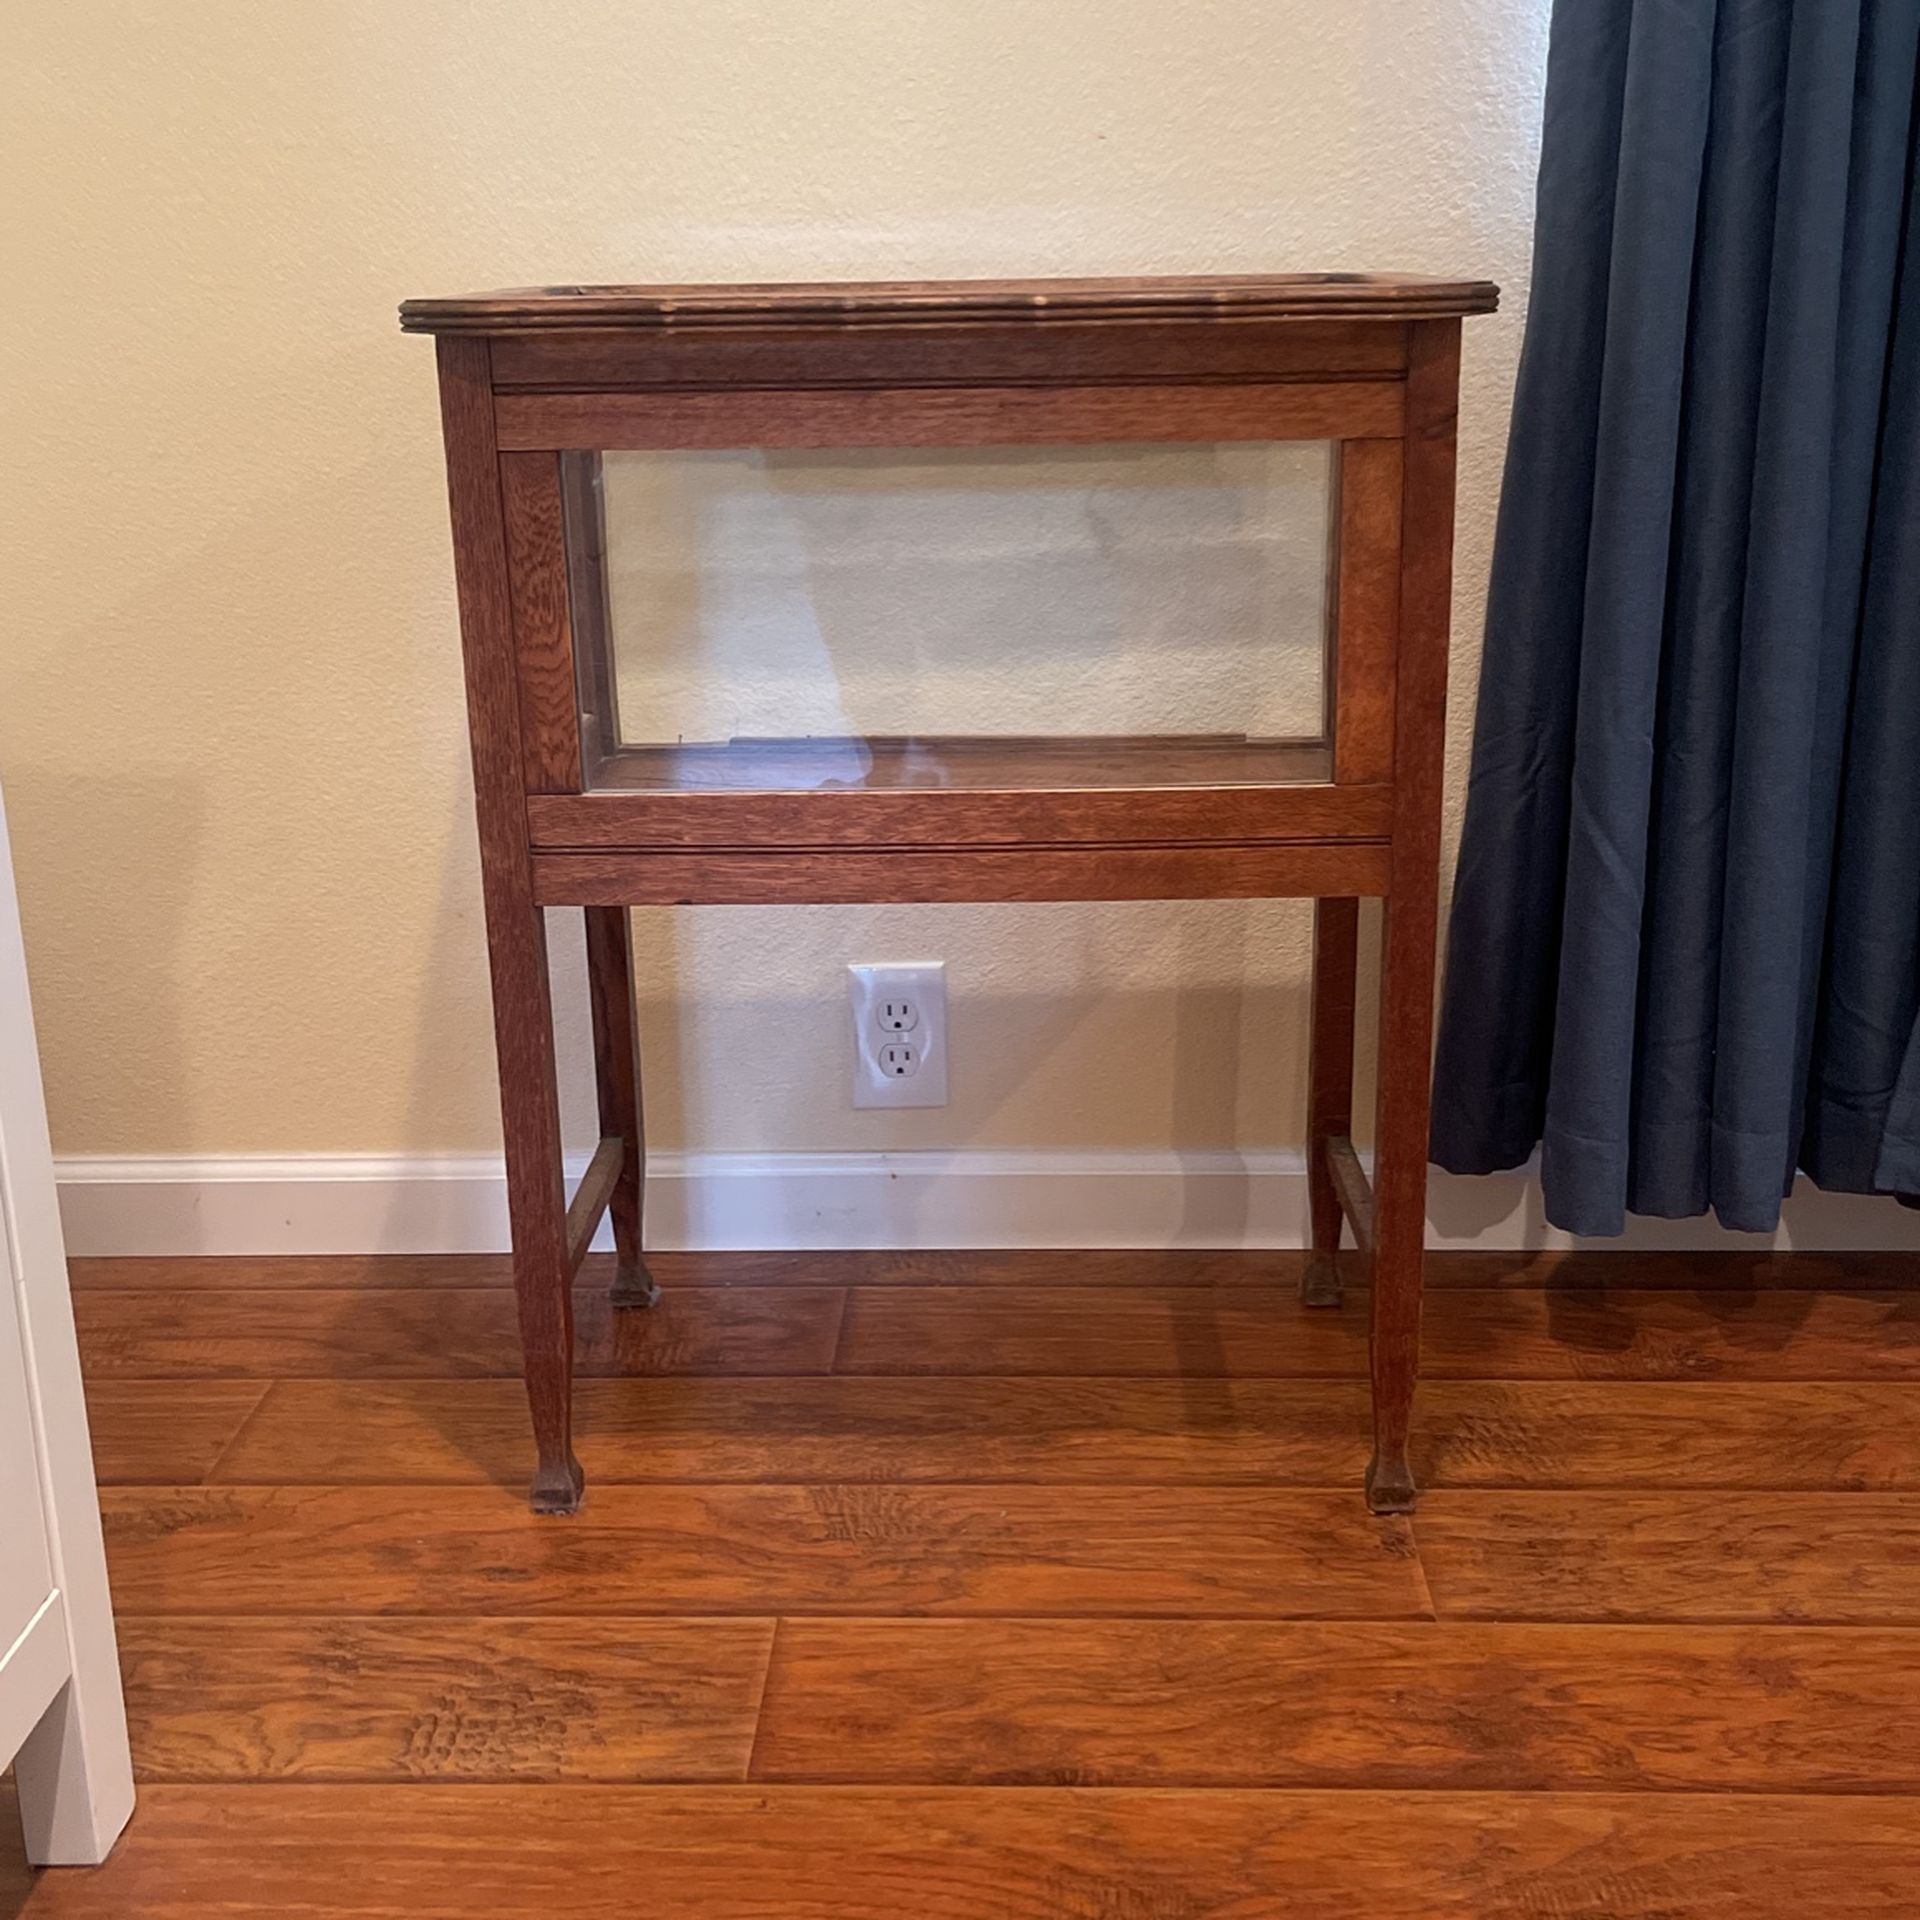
{"type": "Point", "coordinates": [1336, 942]}
{"type": "Point", "coordinates": [590, 614]}
{"type": "Point", "coordinates": [516, 935]}
{"type": "Point", "coordinates": [834, 305]}
{"type": "Point", "coordinates": [965, 353]}
{"type": "Point", "coordinates": [616, 1053]}
{"type": "Point", "coordinates": [1366, 598]}
{"type": "Point", "coordinates": [955, 817]}
{"type": "Point", "coordinates": [536, 382]}
{"type": "Point", "coordinates": [542, 629]}
{"type": "Point", "coordinates": [591, 1197]}
{"type": "Point", "coordinates": [951, 416]}
{"type": "Point", "coordinates": [1262, 870]}
{"type": "Point", "coordinates": [585, 1852]}
{"type": "Point", "coordinates": [1410, 917]}
{"type": "Point", "coordinates": [1352, 1189]}
{"type": "Point", "coordinates": [1120, 1646]}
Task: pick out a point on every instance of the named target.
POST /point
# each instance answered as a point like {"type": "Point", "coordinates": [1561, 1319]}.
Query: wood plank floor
{"type": "Point", "coordinates": [980, 1585]}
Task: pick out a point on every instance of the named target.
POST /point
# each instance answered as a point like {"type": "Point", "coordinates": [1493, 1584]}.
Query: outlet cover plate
{"type": "Point", "coordinates": [922, 985]}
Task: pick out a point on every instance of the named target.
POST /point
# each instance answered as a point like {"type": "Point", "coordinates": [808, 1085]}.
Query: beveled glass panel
{"type": "Point", "coordinates": [1075, 616]}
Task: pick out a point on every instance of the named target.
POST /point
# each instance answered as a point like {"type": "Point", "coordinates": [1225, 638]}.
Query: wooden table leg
{"type": "Point", "coordinates": [1412, 912]}
{"type": "Point", "coordinates": [1400, 1192]}
{"type": "Point", "coordinates": [616, 1055]}
{"type": "Point", "coordinates": [1336, 932]}
{"type": "Point", "coordinates": [536, 1188]}
{"type": "Point", "coordinates": [516, 928]}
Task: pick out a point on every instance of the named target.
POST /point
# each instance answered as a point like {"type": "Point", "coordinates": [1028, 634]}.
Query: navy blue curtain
{"type": "Point", "coordinates": [1685, 945]}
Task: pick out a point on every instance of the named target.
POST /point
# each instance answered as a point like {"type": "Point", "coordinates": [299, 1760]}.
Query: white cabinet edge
{"type": "Point", "coordinates": [73, 1772]}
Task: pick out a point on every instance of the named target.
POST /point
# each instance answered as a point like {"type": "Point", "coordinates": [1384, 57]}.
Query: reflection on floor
{"type": "Point", "coordinates": [1035, 1585]}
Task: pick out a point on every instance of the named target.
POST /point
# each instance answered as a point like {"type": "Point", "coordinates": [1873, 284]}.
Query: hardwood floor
{"type": "Point", "coordinates": [1012, 1585]}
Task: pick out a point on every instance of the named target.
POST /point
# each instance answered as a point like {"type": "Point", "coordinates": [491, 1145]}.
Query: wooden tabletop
{"type": "Point", "coordinates": [1278, 296]}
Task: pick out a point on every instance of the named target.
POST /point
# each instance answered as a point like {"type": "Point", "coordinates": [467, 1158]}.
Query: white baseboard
{"type": "Point", "coordinates": [359, 1203]}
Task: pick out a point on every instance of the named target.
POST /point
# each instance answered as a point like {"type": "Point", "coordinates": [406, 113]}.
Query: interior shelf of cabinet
{"type": "Point", "coordinates": [819, 763]}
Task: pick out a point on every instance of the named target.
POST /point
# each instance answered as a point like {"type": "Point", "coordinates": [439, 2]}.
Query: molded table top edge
{"type": "Point", "coordinates": [1288, 296]}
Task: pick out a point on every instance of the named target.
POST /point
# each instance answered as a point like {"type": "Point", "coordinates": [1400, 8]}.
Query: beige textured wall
{"type": "Point", "coordinates": [230, 720]}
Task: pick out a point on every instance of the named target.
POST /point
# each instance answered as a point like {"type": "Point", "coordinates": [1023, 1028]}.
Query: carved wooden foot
{"type": "Point", "coordinates": [1320, 1283]}
{"type": "Point", "coordinates": [1390, 1487]}
{"type": "Point", "coordinates": [558, 1486]}
{"type": "Point", "coordinates": [633, 1285]}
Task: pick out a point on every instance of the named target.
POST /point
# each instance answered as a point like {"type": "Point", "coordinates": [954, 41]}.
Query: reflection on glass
{"type": "Point", "coordinates": [1062, 616]}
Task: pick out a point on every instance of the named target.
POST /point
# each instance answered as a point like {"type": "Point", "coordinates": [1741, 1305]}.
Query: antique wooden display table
{"type": "Point", "coordinates": [971, 591]}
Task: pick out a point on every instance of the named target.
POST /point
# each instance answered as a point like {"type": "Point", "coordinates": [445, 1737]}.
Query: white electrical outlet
{"type": "Point", "coordinates": [899, 1034]}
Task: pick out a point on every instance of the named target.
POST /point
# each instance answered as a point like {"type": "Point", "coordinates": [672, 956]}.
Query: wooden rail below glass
{"type": "Point", "coordinates": [914, 820]}
{"type": "Point", "coordinates": [908, 874]}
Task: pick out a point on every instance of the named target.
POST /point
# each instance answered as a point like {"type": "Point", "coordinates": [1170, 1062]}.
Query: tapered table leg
{"type": "Point", "coordinates": [536, 1189]}
{"type": "Point", "coordinates": [1400, 1193]}
{"type": "Point", "coordinates": [616, 1054]}
{"type": "Point", "coordinates": [1336, 925]}
{"type": "Point", "coordinates": [516, 931]}
{"type": "Point", "coordinates": [1412, 916]}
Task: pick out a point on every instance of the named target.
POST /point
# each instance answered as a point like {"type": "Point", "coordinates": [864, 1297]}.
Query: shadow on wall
{"type": "Point", "coordinates": [92, 911]}
{"type": "Point", "coordinates": [1055, 1055]}
{"type": "Point", "coordinates": [443, 1213]}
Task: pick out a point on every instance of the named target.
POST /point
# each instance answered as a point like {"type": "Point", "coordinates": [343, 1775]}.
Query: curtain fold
{"type": "Point", "coordinates": [1684, 955]}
